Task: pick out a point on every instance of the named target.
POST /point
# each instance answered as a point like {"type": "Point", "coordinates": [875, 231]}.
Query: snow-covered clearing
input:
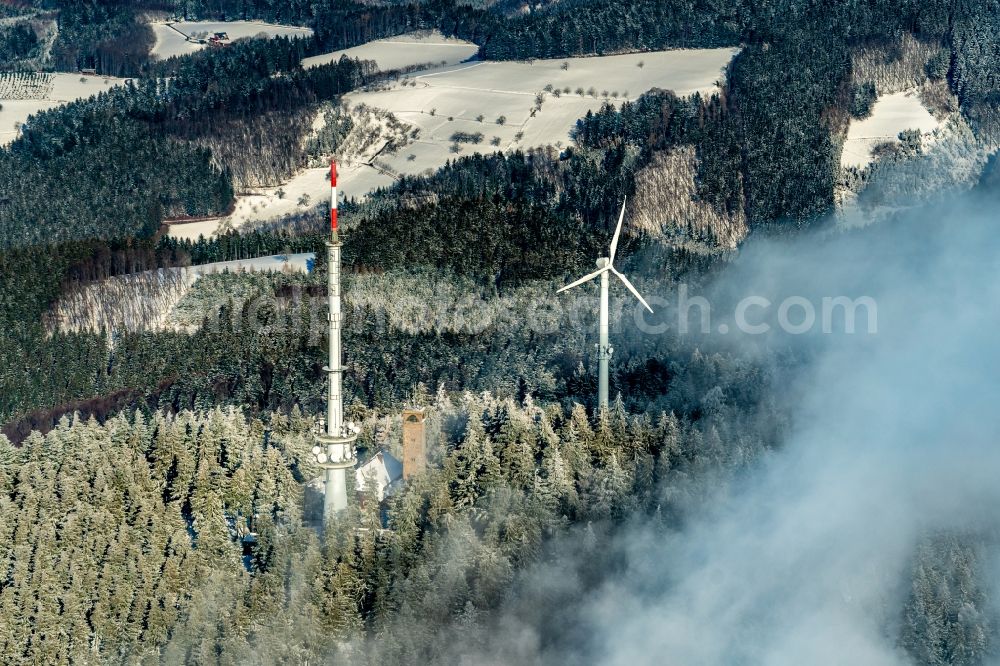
{"type": "Point", "coordinates": [495, 99]}
{"type": "Point", "coordinates": [281, 263]}
{"type": "Point", "coordinates": [891, 115]}
{"type": "Point", "coordinates": [946, 168]}
{"type": "Point", "coordinates": [410, 50]}
{"type": "Point", "coordinates": [143, 301]}
{"type": "Point", "coordinates": [308, 188]}
{"type": "Point", "coordinates": [38, 92]}
{"type": "Point", "coordinates": [182, 37]}
{"type": "Point", "coordinates": [193, 230]}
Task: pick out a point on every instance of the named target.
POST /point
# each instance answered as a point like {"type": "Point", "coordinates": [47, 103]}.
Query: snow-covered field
{"type": "Point", "coordinates": [891, 115]}
{"type": "Point", "coordinates": [499, 99]}
{"type": "Point", "coordinates": [172, 38]}
{"type": "Point", "coordinates": [170, 42]}
{"type": "Point", "coordinates": [419, 48]}
{"type": "Point", "coordinates": [496, 99]}
{"type": "Point", "coordinates": [68, 87]}
{"type": "Point", "coordinates": [61, 88]}
{"type": "Point", "coordinates": [17, 111]}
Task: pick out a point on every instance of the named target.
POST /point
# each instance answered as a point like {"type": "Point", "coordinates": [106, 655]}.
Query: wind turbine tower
{"type": "Point", "coordinates": [334, 449]}
{"type": "Point", "coordinates": [605, 268]}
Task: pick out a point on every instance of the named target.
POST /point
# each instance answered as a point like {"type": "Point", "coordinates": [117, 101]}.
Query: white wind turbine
{"type": "Point", "coordinates": [605, 266]}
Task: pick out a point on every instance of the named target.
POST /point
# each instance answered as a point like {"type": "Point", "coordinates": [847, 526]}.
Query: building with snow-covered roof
{"type": "Point", "coordinates": [379, 476]}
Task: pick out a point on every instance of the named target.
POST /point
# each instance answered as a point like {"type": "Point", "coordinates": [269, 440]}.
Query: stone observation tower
{"type": "Point", "coordinates": [414, 442]}
{"type": "Point", "coordinates": [334, 449]}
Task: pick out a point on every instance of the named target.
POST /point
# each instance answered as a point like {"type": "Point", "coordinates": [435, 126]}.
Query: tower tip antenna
{"type": "Point", "coordinates": [333, 198]}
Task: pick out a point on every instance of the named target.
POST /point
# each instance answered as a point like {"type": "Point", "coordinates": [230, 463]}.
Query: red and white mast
{"type": "Point", "coordinates": [333, 198]}
{"type": "Point", "coordinates": [334, 448]}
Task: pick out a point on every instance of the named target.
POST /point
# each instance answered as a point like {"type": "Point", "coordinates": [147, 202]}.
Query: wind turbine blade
{"type": "Point", "coordinates": [635, 292]}
{"type": "Point", "coordinates": [585, 278]}
{"type": "Point", "coordinates": [618, 231]}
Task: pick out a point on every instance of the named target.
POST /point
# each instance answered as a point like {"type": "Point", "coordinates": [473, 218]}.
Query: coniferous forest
{"type": "Point", "coordinates": [157, 486]}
